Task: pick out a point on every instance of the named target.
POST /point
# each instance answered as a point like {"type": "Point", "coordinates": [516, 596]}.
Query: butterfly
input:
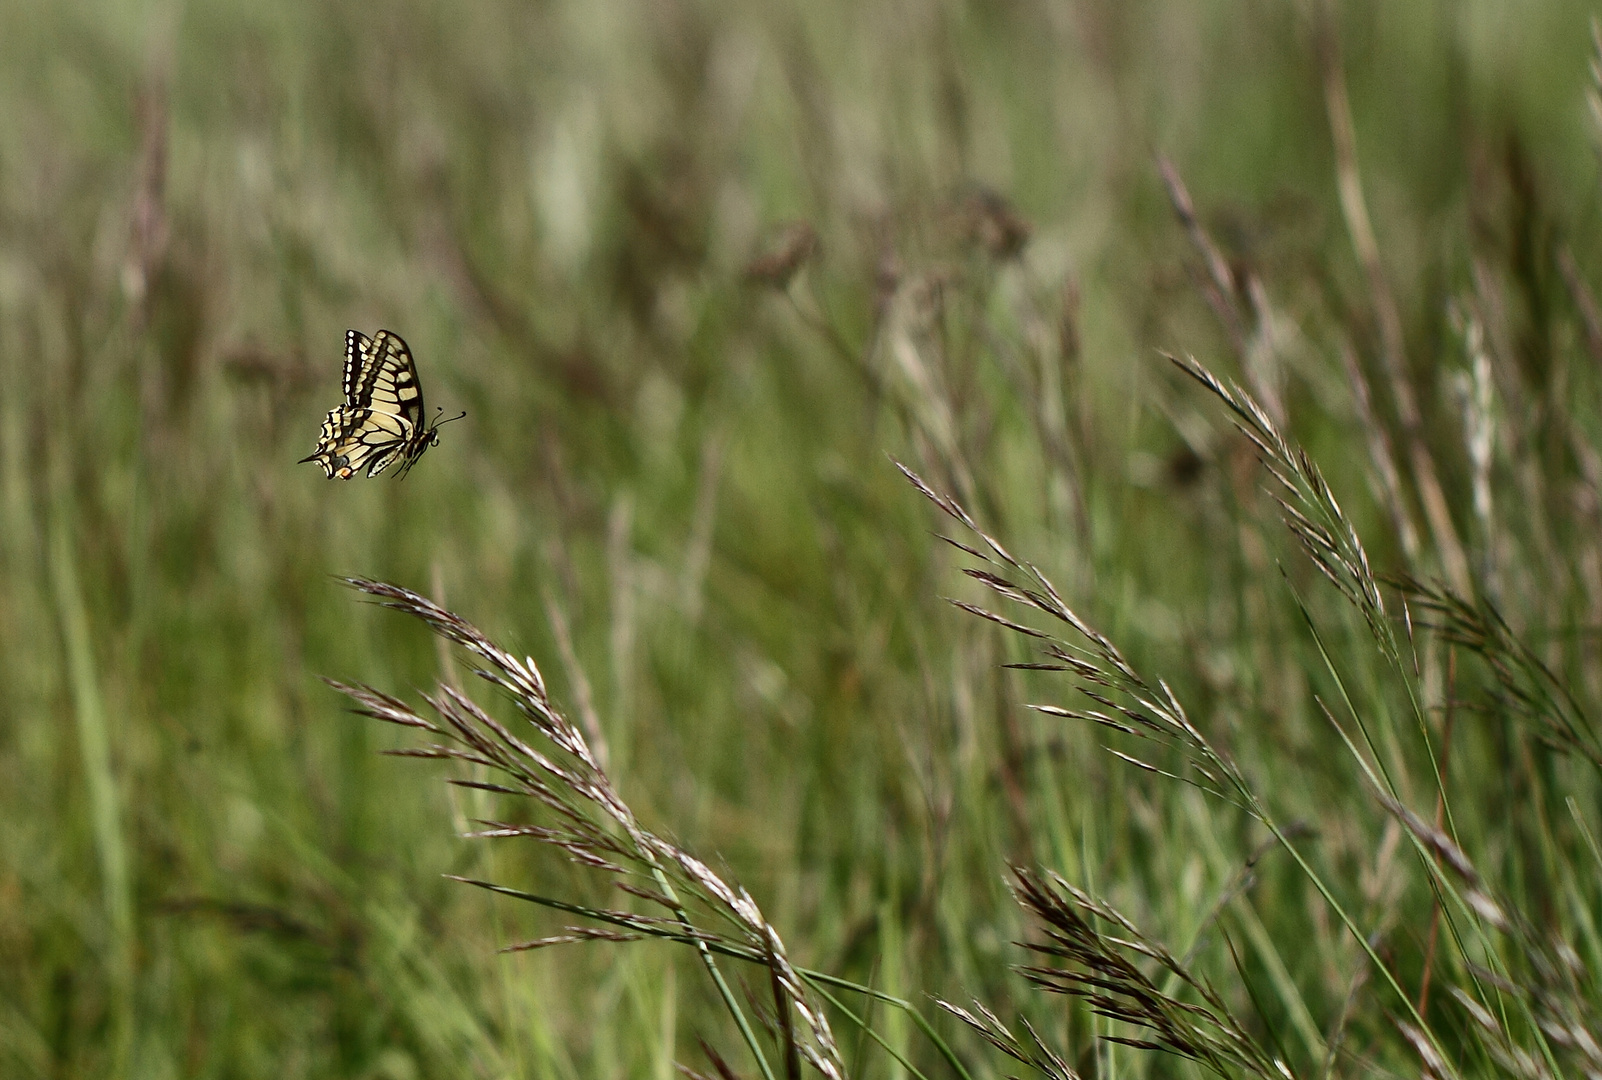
{"type": "Point", "coordinates": [381, 421]}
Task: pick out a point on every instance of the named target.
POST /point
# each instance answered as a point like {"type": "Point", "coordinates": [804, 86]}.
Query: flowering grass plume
{"type": "Point", "coordinates": [585, 818]}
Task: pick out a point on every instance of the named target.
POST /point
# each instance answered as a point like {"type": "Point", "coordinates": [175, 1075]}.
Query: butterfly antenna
{"type": "Point", "coordinates": [448, 419]}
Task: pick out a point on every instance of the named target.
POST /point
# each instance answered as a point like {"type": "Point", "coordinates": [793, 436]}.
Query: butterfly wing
{"type": "Point", "coordinates": [391, 385]}
{"type": "Point", "coordinates": [382, 418]}
{"type": "Point", "coordinates": [355, 439]}
{"type": "Point", "coordinates": [359, 368]}
{"type": "Point", "coordinates": [395, 404]}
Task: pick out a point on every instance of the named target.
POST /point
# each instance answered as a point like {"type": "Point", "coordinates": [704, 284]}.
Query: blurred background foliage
{"type": "Point", "coordinates": [580, 214]}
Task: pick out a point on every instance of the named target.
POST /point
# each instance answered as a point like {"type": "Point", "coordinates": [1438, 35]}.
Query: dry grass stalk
{"type": "Point", "coordinates": [1104, 969]}
{"type": "Point", "coordinates": [1034, 1052]}
{"type": "Point", "coordinates": [1100, 968]}
{"type": "Point", "coordinates": [1558, 1009]}
{"type": "Point", "coordinates": [1225, 288]}
{"type": "Point", "coordinates": [1219, 289]}
{"type": "Point", "coordinates": [1127, 702]}
{"type": "Point", "coordinates": [1542, 989]}
{"type": "Point", "coordinates": [1528, 689]}
{"type": "Point", "coordinates": [1349, 182]}
{"type": "Point", "coordinates": [591, 824]}
{"type": "Point", "coordinates": [1311, 511]}
{"type": "Point", "coordinates": [1130, 704]}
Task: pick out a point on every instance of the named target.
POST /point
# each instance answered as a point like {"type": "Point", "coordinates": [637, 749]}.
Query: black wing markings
{"type": "Point", "coordinates": [359, 367]}
{"type": "Point", "coordinates": [382, 419]}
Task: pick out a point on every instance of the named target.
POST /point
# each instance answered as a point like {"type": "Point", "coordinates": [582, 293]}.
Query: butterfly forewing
{"type": "Point", "coordinates": [357, 366]}
{"type": "Point", "coordinates": [381, 421]}
{"type": "Point", "coordinates": [392, 385]}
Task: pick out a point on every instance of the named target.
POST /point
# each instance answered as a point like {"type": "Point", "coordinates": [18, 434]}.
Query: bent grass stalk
{"type": "Point", "coordinates": [1131, 705]}
{"type": "Point", "coordinates": [1528, 690]}
{"type": "Point", "coordinates": [1554, 1013]}
{"type": "Point", "coordinates": [592, 826]}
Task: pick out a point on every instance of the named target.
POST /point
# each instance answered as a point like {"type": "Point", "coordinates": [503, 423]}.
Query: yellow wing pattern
{"type": "Point", "coordinates": [381, 421]}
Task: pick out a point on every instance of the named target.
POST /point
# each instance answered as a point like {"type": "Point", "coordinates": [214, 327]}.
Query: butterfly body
{"type": "Point", "coordinates": [382, 420]}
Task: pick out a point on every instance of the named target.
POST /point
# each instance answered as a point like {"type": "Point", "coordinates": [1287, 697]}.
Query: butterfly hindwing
{"type": "Point", "coordinates": [382, 419]}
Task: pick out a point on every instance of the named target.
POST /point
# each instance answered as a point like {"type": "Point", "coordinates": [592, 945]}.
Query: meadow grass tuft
{"type": "Point", "coordinates": [1259, 741]}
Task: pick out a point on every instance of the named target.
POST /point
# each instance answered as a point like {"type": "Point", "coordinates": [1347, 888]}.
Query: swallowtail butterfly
{"type": "Point", "coordinates": [381, 421]}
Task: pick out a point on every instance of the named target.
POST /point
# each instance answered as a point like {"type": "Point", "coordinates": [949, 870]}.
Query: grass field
{"type": "Point", "coordinates": [701, 272]}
